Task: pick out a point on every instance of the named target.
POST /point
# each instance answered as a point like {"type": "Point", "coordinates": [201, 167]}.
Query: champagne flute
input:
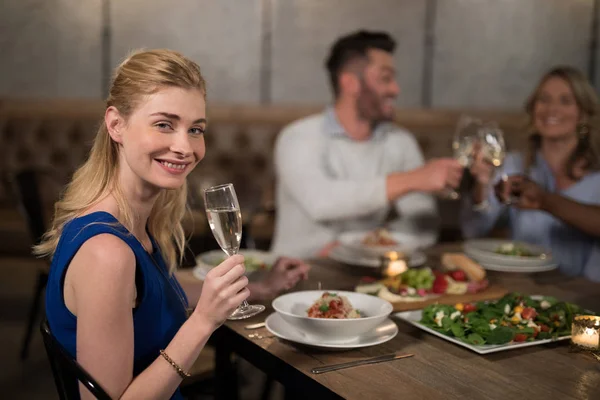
{"type": "Point", "coordinates": [492, 147]}
{"type": "Point", "coordinates": [225, 220]}
{"type": "Point", "coordinates": [463, 145]}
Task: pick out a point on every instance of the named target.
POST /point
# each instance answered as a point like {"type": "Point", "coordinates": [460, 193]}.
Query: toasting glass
{"type": "Point", "coordinates": [492, 147]}
{"type": "Point", "coordinates": [463, 145]}
{"type": "Point", "coordinates": [225, 220]}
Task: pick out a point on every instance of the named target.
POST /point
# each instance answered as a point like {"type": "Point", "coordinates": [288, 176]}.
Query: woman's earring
{"type": "Point", "coordinates": [582, 131]}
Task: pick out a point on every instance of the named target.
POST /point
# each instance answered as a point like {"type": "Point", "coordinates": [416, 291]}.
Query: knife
{"type": "Point", "coordinates": [374, 360]}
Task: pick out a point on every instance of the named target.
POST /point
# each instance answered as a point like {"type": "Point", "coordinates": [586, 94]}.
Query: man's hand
{"type": "Point", "coordinates": [438, 175]}
{"type": "Point", "coordinates": [285, 274]}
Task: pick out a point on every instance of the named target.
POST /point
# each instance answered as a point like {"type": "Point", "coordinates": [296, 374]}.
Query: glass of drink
{"type": "Point", "coordinates": [492, 146]}
{"type": "Point", "coordinates": [508, 196]}
{"type": "Point", "coordinates": [463, 146]}
{"type": "Point", "coordinates": [225, 221]}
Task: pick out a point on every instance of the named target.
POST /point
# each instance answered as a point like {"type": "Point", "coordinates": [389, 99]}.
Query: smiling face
{"type": "Point", "coordinates": [379, 87]}
{"type": "Point", "coordinates": [555, 111]}
{"type": "Point", "coordinates": [163, 139]}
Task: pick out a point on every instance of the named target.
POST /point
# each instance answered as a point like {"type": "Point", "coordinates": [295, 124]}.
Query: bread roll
{"type": "Point", "coordinates": [473, 270]}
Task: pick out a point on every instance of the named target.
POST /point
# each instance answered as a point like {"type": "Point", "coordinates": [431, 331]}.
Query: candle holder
{"type": "Point", "coordinates": [393, 263]}
{"type": "Point", "coordinates": [585, 333]}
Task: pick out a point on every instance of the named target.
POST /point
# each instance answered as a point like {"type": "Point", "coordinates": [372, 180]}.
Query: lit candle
{"type": "Point", "coordinates": [394, 264]}
{"type": "Point", "coordinates": [585, 331]}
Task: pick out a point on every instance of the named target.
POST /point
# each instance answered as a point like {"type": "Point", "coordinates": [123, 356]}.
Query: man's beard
{"type": "Point", "coordinates": [370, 106]}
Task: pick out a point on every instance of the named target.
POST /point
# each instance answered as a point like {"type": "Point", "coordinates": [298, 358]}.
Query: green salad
{"type": "Point", "coordinates": [252, 264]}
{"type": "Point", "coordinates": [513, 249]}
{"type": "Point", "coordinates": [513, 318]}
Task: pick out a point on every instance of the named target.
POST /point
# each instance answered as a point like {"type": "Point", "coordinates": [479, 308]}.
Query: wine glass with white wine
{"type": "Point", "coordinates": [492, 147]}
{"type": "Point", "coordinates": [463, 146]}
{"type": "Point", "coordinates": [225, 221]}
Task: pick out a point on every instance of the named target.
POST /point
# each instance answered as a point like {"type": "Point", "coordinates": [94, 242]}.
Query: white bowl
{"type": "Point", "coordinates": [293, 309]}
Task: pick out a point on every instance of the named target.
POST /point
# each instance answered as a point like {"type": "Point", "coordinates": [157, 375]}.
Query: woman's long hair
{"type": "Point", "coordinates": [141, 74]}
{"type": "Point", "coordinates": [588, 146]}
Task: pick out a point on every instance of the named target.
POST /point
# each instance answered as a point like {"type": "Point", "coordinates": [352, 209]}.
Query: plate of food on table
{"type": "Point", "coordinates": [515, 320]}
{"type": "Point", "coordinates": [334, 320]}
{"type": "Point", "coordinates": [379, 241]}
{"type": "Point", "coordinates": [365, 248]}
{"type": "Point", "coordinates": [510, 256]}
{"type": "Point", "coordinates": [459, 279]}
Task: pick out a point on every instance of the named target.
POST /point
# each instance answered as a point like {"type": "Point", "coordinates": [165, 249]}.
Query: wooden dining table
{"type": "Point", "coordinates": [439, 369]}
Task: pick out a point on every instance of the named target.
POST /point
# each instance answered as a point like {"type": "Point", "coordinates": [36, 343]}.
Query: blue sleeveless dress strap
{"type": "Point", "coordinates": [161, 302]}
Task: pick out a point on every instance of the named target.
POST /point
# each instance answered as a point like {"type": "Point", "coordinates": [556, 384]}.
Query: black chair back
{"type": "Point", "coordinates": [26, 188]}
{"type": "Point", "coordinates": [67, 371]}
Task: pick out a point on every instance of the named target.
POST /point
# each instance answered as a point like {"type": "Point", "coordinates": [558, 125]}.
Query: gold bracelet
{"type": "Point", "coordinates": [180, 371]}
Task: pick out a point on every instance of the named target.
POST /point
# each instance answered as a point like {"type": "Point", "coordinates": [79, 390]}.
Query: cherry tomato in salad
{"type": "Point", "coordinates": [528, 313]}
{"type": "Point", "coordinates": [520, 337]}
{"type": "Point", "coordinates": [469, 308]}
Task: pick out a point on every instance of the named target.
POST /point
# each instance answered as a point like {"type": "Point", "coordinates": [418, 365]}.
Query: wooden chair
{"type": "Point", "coordinates": [67, 371]}
{"type": "Point", "coordinates": [26, 188]}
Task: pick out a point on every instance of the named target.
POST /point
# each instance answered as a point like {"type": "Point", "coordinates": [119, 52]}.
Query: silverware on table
{"type": "Point", "coordinates": [374, 360]}
{"type": "Point", "coordinates": [255, 326]}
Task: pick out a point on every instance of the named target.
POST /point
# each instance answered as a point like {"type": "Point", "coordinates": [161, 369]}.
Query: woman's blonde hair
{"type": "Point", "coordinates": [141, 74]}
{"type": "Point", "coordinates": [588, 128]}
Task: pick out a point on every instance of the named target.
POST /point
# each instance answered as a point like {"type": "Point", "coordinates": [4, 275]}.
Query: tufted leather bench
{"type": "Point", "coordinates": [54, 136]}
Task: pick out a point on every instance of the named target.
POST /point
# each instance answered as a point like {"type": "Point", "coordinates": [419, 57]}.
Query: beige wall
{"type": "Point", "coordinates": [486, 53]}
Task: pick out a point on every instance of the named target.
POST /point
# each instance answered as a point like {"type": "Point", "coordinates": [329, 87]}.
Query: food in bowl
{"type": "Point", "coordinates": [292, 308]}
{"type": "Point", "coordinates": [331, 305]}
{"type": "Point", "coordinates": [379, 237]}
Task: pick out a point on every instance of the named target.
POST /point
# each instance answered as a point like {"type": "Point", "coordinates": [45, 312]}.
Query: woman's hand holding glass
{"type": "Point", "coordinates": [223, 290]}
{"type": "Point", "coordinates": [225, 221]}
{"type": "Point", "coordinates": [521, 192]}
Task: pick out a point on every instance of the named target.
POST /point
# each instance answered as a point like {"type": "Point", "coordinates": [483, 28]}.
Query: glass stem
{"type": "Point", "coordinates": [244, 304]}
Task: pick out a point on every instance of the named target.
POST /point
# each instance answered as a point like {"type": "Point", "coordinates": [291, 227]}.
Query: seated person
{"type": "Point", "coordinates": [112, 299]}
{"type": "Point", "coordinates": [345, 168]}
{"type": "Point", "coordinates": [557, 180]}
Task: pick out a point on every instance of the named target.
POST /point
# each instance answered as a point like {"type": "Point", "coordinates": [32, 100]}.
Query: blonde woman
{"type": "Point", "coordinates": [557, 180]}
{"type": "Point", "coordinates": [112, 299]}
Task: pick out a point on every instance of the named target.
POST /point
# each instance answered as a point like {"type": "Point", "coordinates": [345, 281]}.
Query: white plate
{"type": "Point", "coordinates": [518, 269]}
{"type": "Point", "coordinates": [484, 250]}
{"type": "Point", "coordinates": [347, 256]}
{"type": "Point", "coordinates": [353, 241]}
{"type": "Point", "coordinates": [206, 261]}
{"type": "Point", "coordinates": [413, 318]}
{"type": "Point", "coordinates": [384, 332]}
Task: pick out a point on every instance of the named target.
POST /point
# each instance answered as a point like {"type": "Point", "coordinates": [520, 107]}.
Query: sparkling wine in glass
{"type": "Point", "coordinates": [463, 146]}
{"type": "Point", "coordinates": [225, 221]}
{"type": "Point", "coordinates": [493, 148]}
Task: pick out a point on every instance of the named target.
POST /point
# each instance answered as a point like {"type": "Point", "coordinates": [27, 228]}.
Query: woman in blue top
{"type": "Point", "coordinates": [112, 299]}
{"type": "Point", "coordinates": [558, 178]}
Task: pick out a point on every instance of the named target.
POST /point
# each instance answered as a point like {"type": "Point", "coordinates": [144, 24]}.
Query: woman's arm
{"type": "Point", "coordinates": [100, 291]}
{"type": "Point", "coordinates": [585, 217]}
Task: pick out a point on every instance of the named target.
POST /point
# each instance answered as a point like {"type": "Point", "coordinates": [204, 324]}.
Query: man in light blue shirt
{"type": "Point", "coordinates": [346, 168]}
